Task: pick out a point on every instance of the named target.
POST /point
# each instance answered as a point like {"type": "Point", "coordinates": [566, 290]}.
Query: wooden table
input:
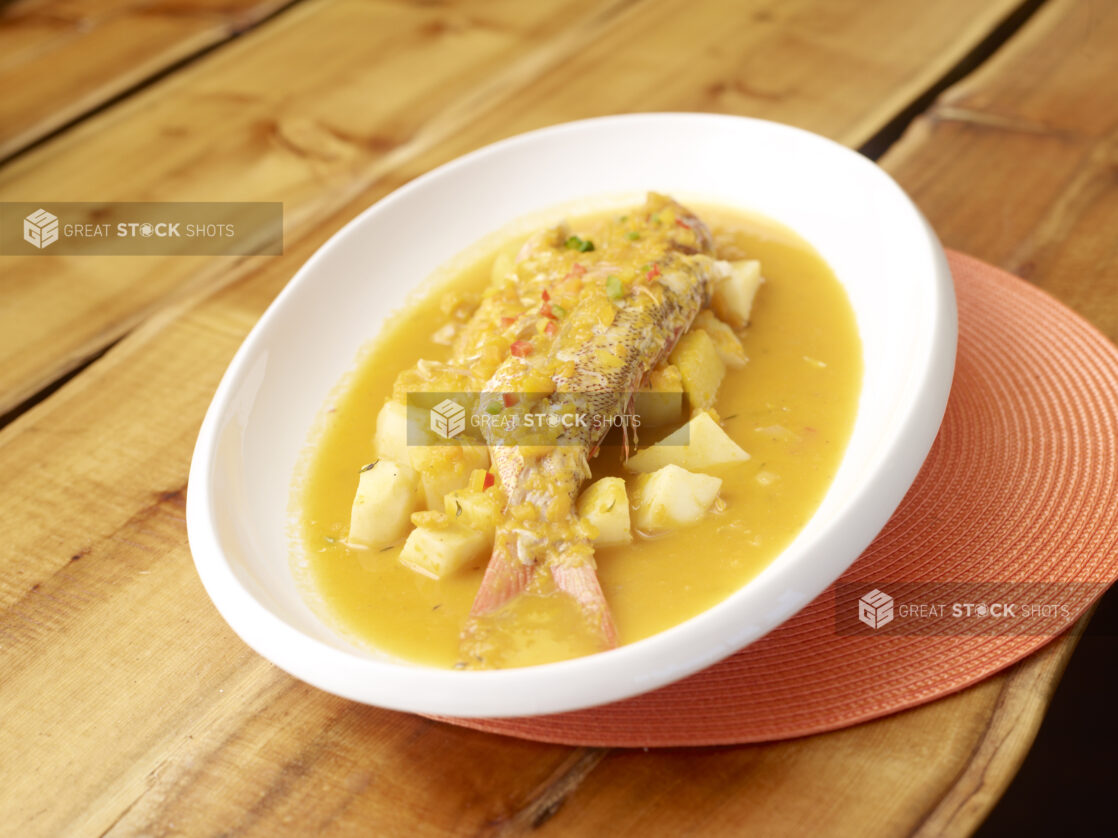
{"type": "Point", "coordinates": [127, 706]}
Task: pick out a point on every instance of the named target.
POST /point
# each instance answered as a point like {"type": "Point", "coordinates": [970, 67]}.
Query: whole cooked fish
{"type": "Point", "coordinates": [585, 321]}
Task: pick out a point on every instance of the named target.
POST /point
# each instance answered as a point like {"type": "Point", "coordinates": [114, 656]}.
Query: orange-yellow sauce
{"type": "Point", "coordinates": [803, 378]}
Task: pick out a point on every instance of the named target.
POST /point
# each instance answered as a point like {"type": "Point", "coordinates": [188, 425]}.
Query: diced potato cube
{"type": "Point", "coordinates": [439, 551]}
{"type": "Point", "coordinates": [726, 342]}
{"type": "Point", "coordinates": [387, 494]}
{"type": "Point", "coordinates": [733, 295]}
{"type": "Point", "coordinates": [671, 498]}
{"type": "Point", "coordinates": [699, 444]}
{"type": "Point", "coordinates": [662, 402]}
{"type": "Point", "coordinates": [392, 432]}
{"type": "Point", "coordinates": [699, 366]}
{"type": "Point", "coordinates": [446, 468]}
{"type": "Point", "coordinates": [478, 510]}
{"type": "Point", "coordinates": [605, 505]}
{"type": "Point", "coordinates": [401, 431]}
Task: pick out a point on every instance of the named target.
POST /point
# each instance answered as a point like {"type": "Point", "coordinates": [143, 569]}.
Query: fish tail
{"type": "Point", "coordinates": [579, 581]}
{"type": "Point", "coordinates": [505, 577]}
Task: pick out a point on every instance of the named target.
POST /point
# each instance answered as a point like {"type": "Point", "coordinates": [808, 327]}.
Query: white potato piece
{"type": "Point", "coordinates": [662, 402]}
{"type": "Point", "coordinates": [387, 494]}
{"type": "Point", "coordinates": [733, 295]}
{"type": "Point", "coordinates": [446, 468]}
{"type": "Point", "coordinates": [699, 366]}
{"type": "Point", "coordinates": [392, 438]}
{"type": "Point", "coordinates": [605, 505]}
{"type": "Point", "coordinates": [440, 551]}
{"type": "Point", "coordinates": [699, 444]}
{"type": "Point", "coordinates": [671, 498]}
{"type": "Point", "coordinates": [478, 510]}
{"type": "Point", "coordinates": [725, 341]}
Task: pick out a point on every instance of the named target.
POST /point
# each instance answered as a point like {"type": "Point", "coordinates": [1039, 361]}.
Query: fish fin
{"type": "Point", "coordinates": [579, 580]}
{"type": "Point", "coordinates": [505, 577]}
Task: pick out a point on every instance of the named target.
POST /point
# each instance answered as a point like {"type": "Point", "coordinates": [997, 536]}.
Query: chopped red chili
{"type": "Point", "coordinates": [510, 399]}
{"type": "Point", "coordinates": [551, 328]}
{"type": "Point", "coordinates": [489, 480]}
{"type": "Point", "coordinates": [578, 269]}
{"type": "Point", "coordinates": [507, 321]}
{"type": "Point", "coordinates": [655, 272]}
{"type": "Point", "coordinates": [521, 348]}
{"type": "Point", "coordinates": [546, 296]}
{"type": "Point", "coordinates": [683, 223]}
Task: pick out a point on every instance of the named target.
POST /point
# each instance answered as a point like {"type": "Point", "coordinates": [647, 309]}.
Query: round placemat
{"type": "Point", "coordinates": [1019, 486]}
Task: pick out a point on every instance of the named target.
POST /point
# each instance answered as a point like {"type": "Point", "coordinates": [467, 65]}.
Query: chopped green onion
{"type": "Point", "coordinates": [613, 287]}
{"type": "Point", "coordinates": [654, 218]}
{"type": "Point", "coordinates": [581, 245]}
{"type": "Point", "coordinates": [492, 408]}
{"type": "Point", "coordinates": [632, 235]}
{"type": "Point", "coordinates": [558, 311]}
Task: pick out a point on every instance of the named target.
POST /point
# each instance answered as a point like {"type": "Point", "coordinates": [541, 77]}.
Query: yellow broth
{"type": "Point", "coordinates": [791, 407]}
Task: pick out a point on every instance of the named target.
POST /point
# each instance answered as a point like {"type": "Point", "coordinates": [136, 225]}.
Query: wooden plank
{"type": "Point", "coordinates": [62, 59]}
{"type": "Point", "coordinates": [105, 634]}
{"type": "Point", "coordinates": [1035, 135]}
{"type": "Point", "coordinates": [303, 110]}
{"type": "Point", "coordinates": [319, 104]}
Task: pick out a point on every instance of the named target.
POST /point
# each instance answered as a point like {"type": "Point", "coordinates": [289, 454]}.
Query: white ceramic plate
{"type": "Point", "coordinates": [879, 246]}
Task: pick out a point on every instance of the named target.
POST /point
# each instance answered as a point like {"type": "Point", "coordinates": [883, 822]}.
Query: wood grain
{"type": "Point", "coordinates": [128, 708]}
{"type": "Point", "coordinates": [305, 109]}
{"type": "Point", "coordinates": [333, 96]}
{"type": "Point", "coordinates": [62, 59]}
{"type": "Point", "coordinates": [1035, 134]}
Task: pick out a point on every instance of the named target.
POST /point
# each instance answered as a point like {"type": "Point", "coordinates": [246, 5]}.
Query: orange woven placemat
{"type": "Point", "coordinates": [1020, 485]}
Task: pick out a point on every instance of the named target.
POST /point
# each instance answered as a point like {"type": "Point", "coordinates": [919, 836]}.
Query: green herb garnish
{"type": "Point", "coordinates": [632, 235]}
{"type": "Point", "coordinates": [492, 408]}
{"type": "Point", "coordinates": [580, 244]}
{"type": "Point", "coordinates": [558, 311]}
{"type": "Point", "coordinates": [613, 287]}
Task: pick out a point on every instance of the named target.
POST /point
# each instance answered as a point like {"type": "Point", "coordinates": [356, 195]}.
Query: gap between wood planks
{"type": "Point", "coordinates": [874, 148]}
{"type": "Point", "coordinates": [234, 32]}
